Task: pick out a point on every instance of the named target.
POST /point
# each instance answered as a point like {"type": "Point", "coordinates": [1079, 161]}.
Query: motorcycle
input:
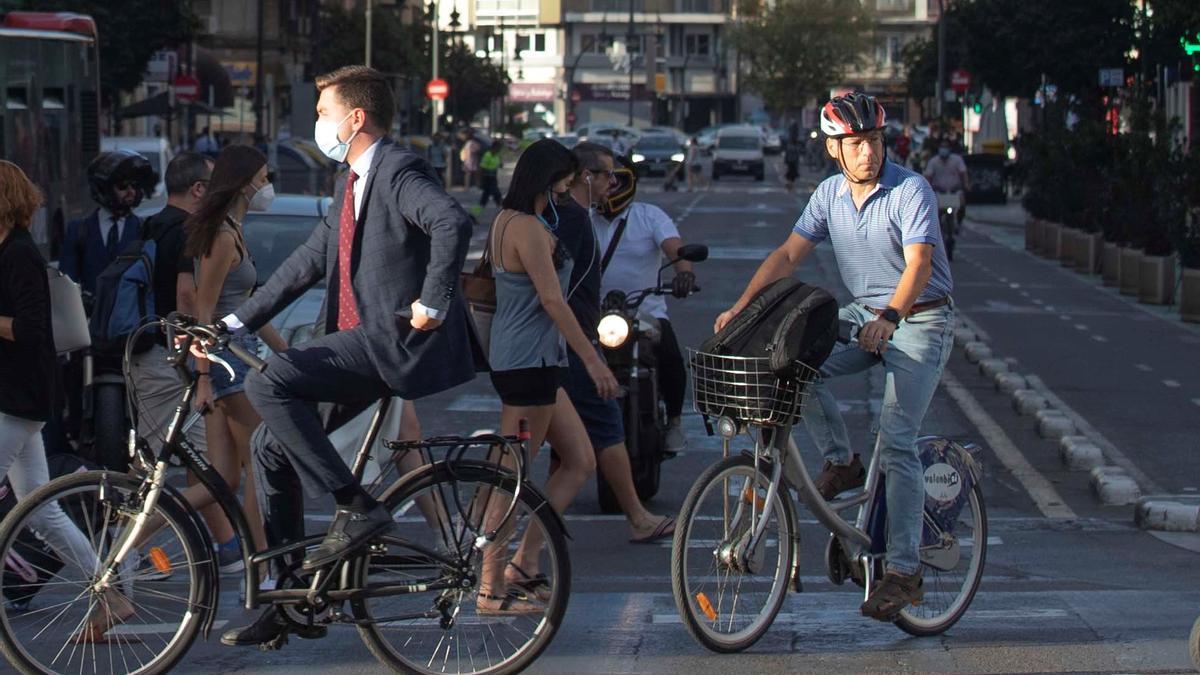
{"type": "Point", "coordinates": [949, 206]}
{"type": "Point", "coordinates": [629, 337]}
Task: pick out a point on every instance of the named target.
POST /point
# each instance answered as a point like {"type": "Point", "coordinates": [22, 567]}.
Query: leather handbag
{"type": "Point", "coordinates": [67, 318]}
{"type": "Point", "coordinates": [479, 290]}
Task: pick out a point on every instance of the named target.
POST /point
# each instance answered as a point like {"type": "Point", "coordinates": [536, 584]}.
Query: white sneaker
{"type": "Point", "coordinates": [676, 442]}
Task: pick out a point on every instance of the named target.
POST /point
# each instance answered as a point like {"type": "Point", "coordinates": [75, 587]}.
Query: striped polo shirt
{"type": "Point", "coordinates": [869, 243]}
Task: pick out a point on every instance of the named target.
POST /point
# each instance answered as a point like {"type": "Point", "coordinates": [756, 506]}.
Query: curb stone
{"type": "Point", "coordinates": [1009, 382]}
{"type": "Point", "coordinates": [1079, 453]}
{"type": "Point", "coordinates": [1053, 424]}
{"type": "Point", "coordinates": [1167, 513]}
{"type": "Point", "coordinates": [991, 367]}
{"type": "Point", "coordinates": [1028, 401]}
{"type": "Point", "coordinates": [964, 336]}
{"type": "Point", "coordinates": [976, 351]}
{"type": "Point", "coordinates": [1113, 486]}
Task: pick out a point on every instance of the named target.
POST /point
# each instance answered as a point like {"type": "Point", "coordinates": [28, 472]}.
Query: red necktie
{"type": "Point", "coordinates": [347, 308]}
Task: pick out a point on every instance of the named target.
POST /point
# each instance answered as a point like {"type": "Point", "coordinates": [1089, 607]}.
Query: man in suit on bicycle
{"type": "Point", "coordinates": [882, 220]}
{"type": "Point", "coordinates": [391, 251]}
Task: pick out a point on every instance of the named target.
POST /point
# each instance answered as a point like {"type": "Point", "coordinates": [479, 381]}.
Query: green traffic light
{"type": "Point", "coordinates": [978, 108]}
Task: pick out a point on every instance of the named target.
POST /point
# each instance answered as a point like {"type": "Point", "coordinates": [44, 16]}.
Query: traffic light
{"type": "Point", "coordinates": [1192, 49]}
{"type": "Point", "coordinates": [978, 107]}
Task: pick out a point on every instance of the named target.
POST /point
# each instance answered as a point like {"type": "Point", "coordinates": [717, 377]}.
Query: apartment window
{"type": "Point", "coordinates": [617, 5]}
{"type": "Point", "coordinates": [894, 5]}
{"type": "Point", "coordinates": [675, 38]}
{"type": "Point", "coordinates": [595, 44]}
{"type": "Point", "coordinates": [531, 43]}
{"type": "Point", "coordinates": [524, 43]}
{"type": "Point", "coordinates": [887, 52]}
{"type": "Point", "coordinates": [539, 42]}
{"type": "Point", "coordinates": [634, 45]}
{"type": "Point", "coordinates": [696, 6]}
{"type": "Point", "coordinates": [697, 45]}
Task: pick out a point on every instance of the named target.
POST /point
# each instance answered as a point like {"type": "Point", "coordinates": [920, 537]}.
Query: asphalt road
{"type": "Point", "coordinates": [1083, 593]}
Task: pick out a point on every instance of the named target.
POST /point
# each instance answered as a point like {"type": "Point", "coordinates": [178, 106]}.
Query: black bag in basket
{"type": "Point", "coordinates": [788, 321]}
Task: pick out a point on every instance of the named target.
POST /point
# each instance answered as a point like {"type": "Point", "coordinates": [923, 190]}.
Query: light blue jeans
{"type": "Point", "coordinates": [914, 361]}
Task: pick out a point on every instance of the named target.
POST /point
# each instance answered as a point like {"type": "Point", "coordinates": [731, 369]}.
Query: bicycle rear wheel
{"type": "Point", "coordinates": [441, 509]}
{"type": "Point", "coordinates": [165, 592]}
{"type": "Point", "coordinates": [952, 570]}
{"type": "Point", "coordinates": [725, 606]}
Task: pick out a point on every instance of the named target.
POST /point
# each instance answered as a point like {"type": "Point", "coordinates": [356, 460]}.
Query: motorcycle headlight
{"type": "Point", "coordinates": [677, 157]}
{"type": "Point", "coordinates": [638, 158]}
{"type": "Point", "coordinates": [613, 330]}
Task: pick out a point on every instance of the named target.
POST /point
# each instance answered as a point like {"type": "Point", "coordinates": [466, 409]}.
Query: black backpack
{"type": "Point", "coordinates": [788, 321]}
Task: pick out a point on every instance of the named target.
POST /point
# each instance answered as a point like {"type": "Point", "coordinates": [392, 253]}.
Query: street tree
{"type": "Point", "coordinates": [397, 48]}
{"type": "Point", "coordinates": [131, 31]}
{"type": "Point", "coordinates": [474, 82]}
{"type": "Point", "coordinates": [794, 50]}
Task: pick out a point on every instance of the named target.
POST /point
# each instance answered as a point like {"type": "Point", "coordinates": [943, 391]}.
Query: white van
{"type": "Point", "coordinates": [153, 148]}
{"type": "Point", "coordinates": [739, 149]}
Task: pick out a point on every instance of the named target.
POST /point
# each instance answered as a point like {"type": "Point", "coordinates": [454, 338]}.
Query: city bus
{"type": "Point", "coordinates": [50, 112]}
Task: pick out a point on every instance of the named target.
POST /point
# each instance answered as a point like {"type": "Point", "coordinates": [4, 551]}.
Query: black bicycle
{"type": "Point", "coordinates": [412, 593]}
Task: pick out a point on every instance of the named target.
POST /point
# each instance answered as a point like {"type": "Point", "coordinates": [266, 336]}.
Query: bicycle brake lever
{"type": "Point", "coordinates": [220, 362]}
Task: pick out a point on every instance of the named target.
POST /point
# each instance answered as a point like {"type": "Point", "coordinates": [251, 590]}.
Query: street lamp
{"type": "Point", "coordinates": [939, 90]}
{"type": "Point", "coordinates": [435, 48]}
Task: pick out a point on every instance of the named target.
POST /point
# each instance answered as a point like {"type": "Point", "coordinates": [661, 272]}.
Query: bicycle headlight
{"type": "Point", "coordinates": [613, 330]}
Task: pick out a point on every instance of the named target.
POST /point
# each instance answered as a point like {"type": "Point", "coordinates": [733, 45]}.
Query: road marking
{"type": "Point", "coordinates": [1065, 317]}
{"type": "Point", "coordinates": [1047, 499]}
{"type": "Point", "coordinates": [1024, 294]}
{"type": "Point", "coordinates": [1081, 326]}
{"type": "Point", "coordinates": [1143, 367]}
{"type": "Point", "coordinates": [475, 403]}
{"type": "Point", "coordinates": [1036, 301]}
{"type": "Point", "coordinates": [1196, 401]}
{"type": "Point", "coordinates": [1014, 285]}
{"type": "Point", "coordinates": [1099, 338]}
{"type": "Point", "coordinates": [1171, 383]}
{"type": "Point", "coordinates": [155, 628]}
{"type": "Point", "coordinates": [1049, 308]}
{"type": "Point", "coordinates": [806, 618]}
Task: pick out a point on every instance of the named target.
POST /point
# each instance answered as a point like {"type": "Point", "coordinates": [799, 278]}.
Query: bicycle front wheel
{"type": "Point", "coordinates": [439, 513]}
{"type": "Point", "coordinates": [53, 545]}
{"type": "Point", "coordinates": [727, 594]}
{"type": "Point", "coordinates": [952, 569]}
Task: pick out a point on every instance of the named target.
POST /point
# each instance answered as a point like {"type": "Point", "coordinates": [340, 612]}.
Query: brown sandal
{"type": "Point", "coordinates": [510, 605]}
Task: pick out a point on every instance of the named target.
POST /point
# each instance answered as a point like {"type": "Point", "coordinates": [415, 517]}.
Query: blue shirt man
{"type": "Point", "coordinates": [882, 222]}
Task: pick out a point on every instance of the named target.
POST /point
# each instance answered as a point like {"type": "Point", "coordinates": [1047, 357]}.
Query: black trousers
{"type": "Point", "coordinates": [672, 375]}
{"type": "Point", "coordinates": [304, 394]}
{"type": "Point", "coordinates": [491, 188]}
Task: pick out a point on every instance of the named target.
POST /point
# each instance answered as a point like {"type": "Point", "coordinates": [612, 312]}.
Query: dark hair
{"type": "Point", "coordinates": [588, 154]}
{"type": "Point", "coordinates": [185, 170]}
{"type": "Point", "coordinates": [543, 164]}
{"type": "Point", "coordinates": [366, 88]}
{"type": "Point", "coordinates": [235, 168]}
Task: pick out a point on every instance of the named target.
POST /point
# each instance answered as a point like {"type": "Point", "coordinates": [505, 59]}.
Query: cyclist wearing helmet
{"type": "Point", "coordinates": [118, 180]}
{"type": "Point", "coordinates": [882, 221]}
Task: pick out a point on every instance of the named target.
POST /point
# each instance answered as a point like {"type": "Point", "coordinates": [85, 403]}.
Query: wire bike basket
{"type": "Point", "coordinates": [746, 389]}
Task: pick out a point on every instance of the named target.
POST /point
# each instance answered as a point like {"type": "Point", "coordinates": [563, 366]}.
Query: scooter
{"type": "Point", "coordinates": [629, 338]}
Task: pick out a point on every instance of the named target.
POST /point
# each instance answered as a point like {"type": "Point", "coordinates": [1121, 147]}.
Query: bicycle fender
{"type": "Point", "coordinates": [208, 587]}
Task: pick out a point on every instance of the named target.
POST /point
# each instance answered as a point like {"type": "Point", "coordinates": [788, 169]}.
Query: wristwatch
{"type": "Point", "coordinates": [891, 315]}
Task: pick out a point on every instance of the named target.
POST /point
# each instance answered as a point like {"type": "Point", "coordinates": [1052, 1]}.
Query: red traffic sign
{"type": "Point", "coordinates": [960, 80]}
{"type": "Point", "coordinates": [437, 89]}
{"type": "Point", "coordinates": [187, 88]}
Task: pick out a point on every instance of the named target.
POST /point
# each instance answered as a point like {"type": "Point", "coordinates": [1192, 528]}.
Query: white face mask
{"type": "Point", "coordinates": [325, 134]}
{"type": "Point", "coordinates": [262, 200]}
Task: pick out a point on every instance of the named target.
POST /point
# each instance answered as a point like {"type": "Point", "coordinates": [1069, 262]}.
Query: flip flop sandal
{"type": "Point", "coordinates": [536, 585]}
{"type": "Point", "coordinates": [506, 606]}
{"type": "Point", "coordinates": [665, 528]}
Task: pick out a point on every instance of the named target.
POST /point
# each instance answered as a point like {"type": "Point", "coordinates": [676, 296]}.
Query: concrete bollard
{"type": "Point", "coordinates": [1028, 401]}
{"type": "Point", "coordinates": [1053, 424]}
{"type": "Point", "coordinates": [964, 336]}
{"type": "Point", "coordinates": [1168, 513]}
{"type": "Point", "coordinates": [1113, 486]}
{"type": "Point", "coordinates": [1008, 382]}
{"type": "Point", "coordinates": [1079, 453]}
{"type": "Point", "coordinates": [976, 351]}
{"type": "Point", "coordinates": [990, 367]}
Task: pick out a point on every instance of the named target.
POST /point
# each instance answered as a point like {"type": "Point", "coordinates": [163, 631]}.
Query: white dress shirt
{"type": "Point", "coordinates": [105, 218]}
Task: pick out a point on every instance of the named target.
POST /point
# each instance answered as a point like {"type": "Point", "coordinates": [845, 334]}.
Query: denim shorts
{"type": "Point", "coordinates": [222, 384]}
{"type": "Point", "coordinates": [602, 418]}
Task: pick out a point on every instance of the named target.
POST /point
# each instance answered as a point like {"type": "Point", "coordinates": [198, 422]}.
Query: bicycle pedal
{"type": "Point", "coordinates": [274, 644]}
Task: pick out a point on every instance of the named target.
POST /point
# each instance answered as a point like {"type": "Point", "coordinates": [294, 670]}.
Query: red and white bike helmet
{"type": "Point", "coordinates": [851, 114]}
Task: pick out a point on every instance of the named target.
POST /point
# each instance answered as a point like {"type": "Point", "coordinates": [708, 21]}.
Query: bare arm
{"type": "Point", "coordinates": [918, 268]}
{"type": "Point", "coordinates": [214, 267]}
{"type": "Point", "coordinates": [6, 332]}
{"type": "Point", "coordinates": [670, 248]}
{"type": "Point", "coordinates": [185, 293]}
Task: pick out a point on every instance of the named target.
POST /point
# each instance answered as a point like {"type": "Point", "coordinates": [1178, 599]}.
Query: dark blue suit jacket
{"type": "Point", "coordinates": [84, 270]}
{"type": "Point", "coordinates": [411, 242]}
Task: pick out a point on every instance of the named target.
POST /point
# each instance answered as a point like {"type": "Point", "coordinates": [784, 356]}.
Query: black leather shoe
{"type": "Point", "coordinates": [349, 531]}
{"type": "Point", "coordinates": [270, 631]}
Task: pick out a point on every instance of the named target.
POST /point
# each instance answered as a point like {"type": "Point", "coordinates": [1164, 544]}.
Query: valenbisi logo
{"type": "Point", "coordinates": [942, 482]}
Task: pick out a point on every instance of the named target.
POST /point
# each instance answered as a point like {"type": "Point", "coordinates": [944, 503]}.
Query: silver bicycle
{"type": "Point", "coordinates": [736, 551]}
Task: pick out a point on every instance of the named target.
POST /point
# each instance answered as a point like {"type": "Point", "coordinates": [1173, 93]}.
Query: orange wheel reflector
{"type": "Point", "coordinates": [706, 606]}
{"type": "Point", "coordinates": [160, 560]}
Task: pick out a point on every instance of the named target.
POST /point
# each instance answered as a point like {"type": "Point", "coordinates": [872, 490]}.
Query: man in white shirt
{"type": "Point", "coordinates": [649, 234]}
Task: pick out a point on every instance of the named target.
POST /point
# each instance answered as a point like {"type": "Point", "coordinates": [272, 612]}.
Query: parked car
{"type": "Point", "coordinates": [677, 133]}
{"type": "Point", "coordinates": [739, 149]}
{"type": "Point", "coordinates": [568, 140]}
{"type": "Point", "coordinates": [153, 148]}
{"type": "Point", "coordinates": [656, 154]}
{"type": "Point", "coordinates": [772, 141]}
{"type": "Point", "coordinates": [618, 138]}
